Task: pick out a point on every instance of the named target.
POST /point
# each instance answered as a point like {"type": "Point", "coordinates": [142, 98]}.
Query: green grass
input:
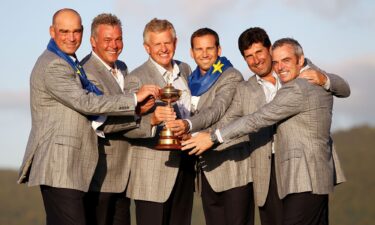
{"type": "Point", "coordinates": [351, 204]}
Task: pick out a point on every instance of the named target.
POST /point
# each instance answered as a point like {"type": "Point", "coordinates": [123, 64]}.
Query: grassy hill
{"type": "Point", "coordinates": [353, 201]}
{"type": "Point", "coordinates": [351, 204]}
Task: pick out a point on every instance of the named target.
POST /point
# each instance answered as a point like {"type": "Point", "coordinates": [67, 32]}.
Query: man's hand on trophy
{"type": "Point", "coordinates": [147, 91]}
{"type": "Point", "coordinates": [146, 105]}
{"type": "Point", "coordinates": [162, 114]}
{"type": "Point", "coordinates": [179, 127]}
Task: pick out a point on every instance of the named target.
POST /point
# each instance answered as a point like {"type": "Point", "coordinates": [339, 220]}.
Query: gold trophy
{"type": "Point", "coordinates": [167, 140]}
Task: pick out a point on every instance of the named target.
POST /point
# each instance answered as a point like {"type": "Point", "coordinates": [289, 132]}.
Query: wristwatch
{"type": "Point", "coordinates": [213, 137]}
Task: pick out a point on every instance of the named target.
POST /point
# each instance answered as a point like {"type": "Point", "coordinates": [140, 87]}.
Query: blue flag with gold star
{"type": "Point", "coordinates": [86, 84]}
{"type": "Point", "coordinates": [199, 84]}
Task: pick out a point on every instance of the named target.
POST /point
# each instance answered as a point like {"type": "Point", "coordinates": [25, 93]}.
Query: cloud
{"type": "Point", "coordinates": [359, 108]}
{"type": "Point", "coordinates": [347, 12]}
{"type": "Point", "coordinates": [189, 12]}
{"type": "Point", "coordinates": [14, 99]}
{"type": "Point", "coordinates": [326, 8]}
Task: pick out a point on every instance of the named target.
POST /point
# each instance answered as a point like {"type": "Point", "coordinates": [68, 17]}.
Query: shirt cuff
{"type": "Point", "coordinates": [153, 131]}
{"type": "Point", "coordinates": [190, 124]}
{"type": "Point", "coordinates": [327, 85]}
{"type": "Point", "coordinates": [218, 135]}
{"type": "Point", "coordinates": [97, 123]}
{"type": "Point", "coordinates": [135, 100]}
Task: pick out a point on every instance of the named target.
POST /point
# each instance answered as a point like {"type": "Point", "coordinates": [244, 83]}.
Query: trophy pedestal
{"type": "Point", "coordinates": [167, 141]}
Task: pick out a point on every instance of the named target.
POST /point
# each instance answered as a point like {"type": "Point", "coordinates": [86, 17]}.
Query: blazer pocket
{"type": "Point", "coordinates": [71, 141]}
{"type": "Point", "coordinates": [294, 153]}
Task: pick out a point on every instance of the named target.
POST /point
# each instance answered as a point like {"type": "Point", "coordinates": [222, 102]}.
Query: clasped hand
{"type": "Point", "coordinates": [162, 114]}
{"type": "Point", "coordinates": [146, 96]}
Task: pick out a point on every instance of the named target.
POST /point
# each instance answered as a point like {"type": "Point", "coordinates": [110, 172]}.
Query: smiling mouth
{"type": "Point", "coordinates": [283, 73]}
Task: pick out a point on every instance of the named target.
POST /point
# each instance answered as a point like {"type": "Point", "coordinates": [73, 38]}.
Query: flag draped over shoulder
{"type": "Point", "coordinates": [199, 84]}
{"type": "Point", "coordinates": [86, 84]}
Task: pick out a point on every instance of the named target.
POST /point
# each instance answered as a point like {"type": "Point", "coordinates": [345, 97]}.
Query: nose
{"type": "Point", "coordinates": [204, 54]}
{"type": "Point", "coordinates": [113, 44]}
{"type": "Point", "coordinates": [280, 66]}
{"type": "Point", "coordinates": [71, 36]}
{"type": "Point", "coordinates": [164, 48]}
{"type": "Point", "coordinates": [256, 60]}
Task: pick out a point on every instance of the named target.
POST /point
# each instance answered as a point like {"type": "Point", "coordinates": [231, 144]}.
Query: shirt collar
{"type": "Point", "coordinates": [304, 68]}
{"type": "Point", "coordinates": [261, 80]}
{"type": "Point", "coordinates": [163, 71]}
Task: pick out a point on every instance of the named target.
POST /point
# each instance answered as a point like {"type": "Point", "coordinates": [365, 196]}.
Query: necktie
{"type": "Point", "coordinates": [114, 72]}
{"type": "Point", "coordinates": [168, 77]}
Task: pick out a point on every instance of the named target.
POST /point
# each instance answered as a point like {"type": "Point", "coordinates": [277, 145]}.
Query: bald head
{"type": "Point", "coordinates": [66, 30]}
{"type": "Point", "coordinates": [63, 13]}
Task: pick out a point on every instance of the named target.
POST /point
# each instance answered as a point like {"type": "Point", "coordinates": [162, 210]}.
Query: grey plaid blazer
{"type": "Point", "coordinates": [225, 169]}
{"type": "Point", "coordinates": [303, 152]}
{"type": "Point", "coordinates": [113, 169]}
{"type": "Point", "coordinates": [249, 97]}
{"type": "Point", "coordinates": [62, 146]}
{"type": "Point", "coordinates": [153, 172]}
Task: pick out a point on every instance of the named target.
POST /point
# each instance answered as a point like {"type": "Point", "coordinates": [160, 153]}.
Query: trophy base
{"type": "Point", "coordinates": [168, 144]}
{"type": "Point", "coordinates": [167, 147]}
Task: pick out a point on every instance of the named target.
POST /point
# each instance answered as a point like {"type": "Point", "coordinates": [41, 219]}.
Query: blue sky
{"type": "Point", "coordinates": [337, 35]}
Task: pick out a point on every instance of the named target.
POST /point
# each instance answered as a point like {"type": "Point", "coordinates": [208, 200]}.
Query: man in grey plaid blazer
{"type": "Point", "coordinates": [254, 44]}
{"type": "Point", "coordinates": [304, 160]}
{"type": "Point", "coordinates": [224, 177]}
{"type": "Point", "coordinates": [61, 154]}
{"type": "Point", "coordinates": [161, 182]}
{"type": "Point", "coordinates": [106, 202]}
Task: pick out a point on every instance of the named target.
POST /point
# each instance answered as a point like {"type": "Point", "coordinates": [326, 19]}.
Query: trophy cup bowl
{"type": "Point", "coordinates": [167, 140]}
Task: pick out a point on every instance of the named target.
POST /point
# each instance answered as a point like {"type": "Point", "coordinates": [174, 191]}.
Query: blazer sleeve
{"type": "Point", "coordinates": [63, 85]}
{"type": "Point", "coordinates": [118, 123]}
{"type": "Point", "coordinates": [234, 112]}
{"type": "Point", "coordinates": [288, 102]}
{"type": "Point", "coordinates": [112, 124]}
{"type": "Point", "coordinates": [132, 84]}
{"type": "Point", "coordinates": [212, 113]}
{"type": "Point", "coordinates": [338, 86]}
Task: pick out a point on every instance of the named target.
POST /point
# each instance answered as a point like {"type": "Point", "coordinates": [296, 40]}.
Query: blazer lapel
{"type": "Point", "coordinates": [157, 77]}
{"type": "Point", "coordinates": [107, 77]}
{"type": "Point", "coordinates": [257, 94]}
{"type": "Point", "coordinates": [203, 98]}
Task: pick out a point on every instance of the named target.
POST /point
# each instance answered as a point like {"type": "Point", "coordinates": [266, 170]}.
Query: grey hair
{"type": "Point", "coordinates": [104, 19]}
{"type": "Point", "coordinates": [298, 51]}
{"type": "Point", "coordinates": [158, 25]}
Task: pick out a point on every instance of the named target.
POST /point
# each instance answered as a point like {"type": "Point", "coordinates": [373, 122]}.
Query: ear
{"type": "Point", "coordinates": [301, 60]}
{"type": "Point", "coordinates": [175, 44]}
{"type": "Point", "coordinates": [191, 53]}
{"type": "Point", "coordinates": [219, 50]}
{"type": "Point", "coordinates": [93, 42]}
{"type": "Point", "coordinates": [52, 32]}
{"type": "Point", "coordinates": [147, 48]}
